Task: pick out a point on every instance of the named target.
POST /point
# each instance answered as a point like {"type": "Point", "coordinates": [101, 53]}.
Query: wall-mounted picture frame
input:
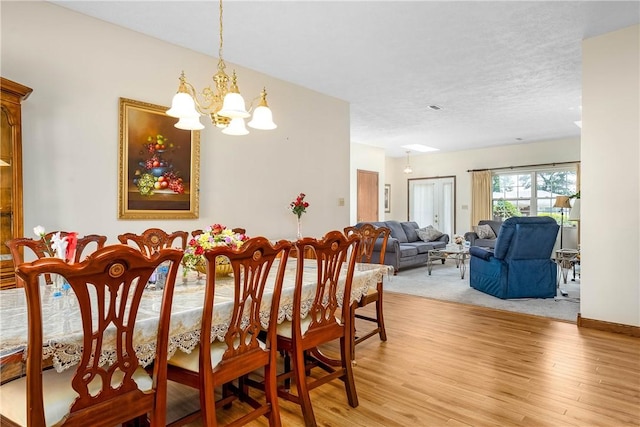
{"type": "Point", "coordinates": [159, 168]}
{"type": "Point", "coordinates": [387, 198]}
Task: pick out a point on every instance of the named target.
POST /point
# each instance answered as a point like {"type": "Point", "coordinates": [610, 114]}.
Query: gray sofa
{"type": "Point", "coordinates": [404, 247]}
{"type": "Point", "coordinates": [473, 238]}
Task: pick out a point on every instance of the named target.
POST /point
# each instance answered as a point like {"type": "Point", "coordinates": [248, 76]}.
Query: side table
{"type": "Point", "coordinates": [566, 259]}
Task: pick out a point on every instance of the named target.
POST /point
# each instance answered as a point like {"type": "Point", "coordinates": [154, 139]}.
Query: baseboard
{"type": "Point", "coordinates": [601, 325]}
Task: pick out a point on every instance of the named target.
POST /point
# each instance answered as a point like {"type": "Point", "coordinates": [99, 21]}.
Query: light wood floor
{"type": "Point", "coordinates": [447, 364]}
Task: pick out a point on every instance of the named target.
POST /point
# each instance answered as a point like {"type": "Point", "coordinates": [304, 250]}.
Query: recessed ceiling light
{"type": "Point", "coordinates": [419, 147]}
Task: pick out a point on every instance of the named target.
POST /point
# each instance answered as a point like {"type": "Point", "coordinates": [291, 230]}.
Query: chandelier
{"type": "Point", "coordinates": [223, 103]}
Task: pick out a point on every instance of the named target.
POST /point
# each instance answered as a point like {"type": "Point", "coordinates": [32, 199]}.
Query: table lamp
{"type": "Point", "coordinates": [574, 214]}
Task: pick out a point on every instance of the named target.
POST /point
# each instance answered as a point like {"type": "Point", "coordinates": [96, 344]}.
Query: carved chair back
{"type": "Point", "coordinates": [152, 240]}
{"type": "Point", "coordinates": [107, 287]}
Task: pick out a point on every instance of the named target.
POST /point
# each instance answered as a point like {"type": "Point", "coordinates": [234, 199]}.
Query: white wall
{"type": "Point", "coordinates": [610, 207]}
{"type": "Point", "coordinates": [79, 67]}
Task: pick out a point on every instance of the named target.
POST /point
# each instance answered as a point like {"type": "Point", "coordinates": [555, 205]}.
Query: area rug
{"type": "Point", "coordinates": [444, 283]}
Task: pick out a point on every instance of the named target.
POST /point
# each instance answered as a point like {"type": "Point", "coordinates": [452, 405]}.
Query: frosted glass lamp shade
{"type": "Point", "coordinates": [183, 106]}
{"type": "Point", "coordinates": [236, 127]}
{"type": "Point", "coordinates": [233, 107]}
{"type": "Point", "coordinates": [189, 123]}
{"type": "Point", "coordinates": [262, 119]}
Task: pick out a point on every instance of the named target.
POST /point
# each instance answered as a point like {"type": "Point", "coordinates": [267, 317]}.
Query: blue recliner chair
{"type": "Point", "coordinates": [520, 265]}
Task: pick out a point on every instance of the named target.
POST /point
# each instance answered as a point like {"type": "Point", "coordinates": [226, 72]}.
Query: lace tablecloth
{"type": "Point", "coordinates": [63, 331]}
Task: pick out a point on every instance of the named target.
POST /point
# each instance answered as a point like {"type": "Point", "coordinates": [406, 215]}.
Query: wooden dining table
{"type": "Point", "coordinates": [62, 330]}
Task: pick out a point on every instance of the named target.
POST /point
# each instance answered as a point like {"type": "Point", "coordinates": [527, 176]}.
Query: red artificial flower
{"type": "Point", "coordinates": [299, 206]}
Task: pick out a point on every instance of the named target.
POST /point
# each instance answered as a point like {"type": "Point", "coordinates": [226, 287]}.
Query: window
{"type": "Point", "coordinates": [532, 192]}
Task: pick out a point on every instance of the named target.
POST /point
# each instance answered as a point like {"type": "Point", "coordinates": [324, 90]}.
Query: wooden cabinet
{"type": "Point", "coordinates": [11, 217]}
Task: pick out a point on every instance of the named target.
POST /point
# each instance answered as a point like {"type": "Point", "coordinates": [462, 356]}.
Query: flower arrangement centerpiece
{"type": "Point", "coordinates": [212, 236]}
{"type": "Point", "coordinates": [298, 207]}
{"type": "Point", "coordinates": [458, 240]}
{"type": "Point", "coordinates": [58, 246]}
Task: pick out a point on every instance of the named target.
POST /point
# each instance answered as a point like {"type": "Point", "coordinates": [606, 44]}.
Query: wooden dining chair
{"type": "Point", "coordinates": [40, 250]}
{"type": "Point", "coordinates": [105, 387]}
{"type": "Point", "coordinates": [152, 240]}
{"type": "Point", "coordinates": [242, 351]}
{"type": "Point", "coordinates": [325, 319]}
{"type": "Point", "coordinates": [370, 237]}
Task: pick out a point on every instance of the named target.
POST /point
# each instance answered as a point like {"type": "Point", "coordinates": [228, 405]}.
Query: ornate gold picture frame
{"type": "Point", "coordinates": [159, 172]}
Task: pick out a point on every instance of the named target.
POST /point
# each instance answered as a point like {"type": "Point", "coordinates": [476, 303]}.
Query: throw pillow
{"type": "Point", "coordinates": [484, 231]}
{"type": "Point", "coordinates": [429, 234]}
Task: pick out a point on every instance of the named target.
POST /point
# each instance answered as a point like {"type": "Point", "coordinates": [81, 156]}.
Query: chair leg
{"type": "Point", "coordinates": [271, 394]}
{"type": "Point", "coordinates": [287, 368]}
{"type": "Point", "coordinates": [380, 316]}
{"type": "Point", "coordinates": [347, 376]}
{"type": "Point", "coordinates": [208, 408]}
{"type": "Point", "coordinates": [303, 390]}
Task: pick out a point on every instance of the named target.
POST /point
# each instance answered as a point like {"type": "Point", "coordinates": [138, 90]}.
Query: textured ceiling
{"type": "Point", "coordinates": [504, 72]}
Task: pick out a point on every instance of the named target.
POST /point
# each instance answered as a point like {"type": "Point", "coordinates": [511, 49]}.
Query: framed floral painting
{"type": "Point", "coordinates": [159, 164]}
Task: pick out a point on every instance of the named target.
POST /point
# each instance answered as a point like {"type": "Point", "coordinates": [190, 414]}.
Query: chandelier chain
{"type": "Point", "coordinates": [220, 46]}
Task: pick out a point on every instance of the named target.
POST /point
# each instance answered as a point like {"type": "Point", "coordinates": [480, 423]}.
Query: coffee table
{"type": "Point", "coordinates": [455, 252]}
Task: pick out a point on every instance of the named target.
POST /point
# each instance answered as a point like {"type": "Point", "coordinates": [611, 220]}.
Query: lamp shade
{"type": "Point", "coordinates": [236, 127]}
{"type": "Point", "coordinates": [562, 202]}
{"type": "Point", "coordinates": [182, 105]}
{"type": "Point", "coordinates": [233, 106]}
{"type": "Point", "coordinates": [262, 119]}
{"type": "Point", "coordinates": [189, 123]}
{"type": "Point", "coordinates": [574, 215]}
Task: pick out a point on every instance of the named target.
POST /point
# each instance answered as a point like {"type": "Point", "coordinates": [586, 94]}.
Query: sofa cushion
{"type": "Point", "coordinates": [397, 231]}
{"type": "Point", "coordinates": [410, 228]}
{"type": "Point", "coordinates": [429, 234]}
{"type": "Point", "coordinates": [422, 247]}
{"type": "Point", "coordinates": [484, 231]}
{"type": "Point", "coordinates": [408, 251]}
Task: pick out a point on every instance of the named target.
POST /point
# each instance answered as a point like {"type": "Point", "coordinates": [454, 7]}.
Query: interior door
{"type": "Point", "coordinates": [432, 201]}
{"type": "Point", "coordinates": [368, 190]}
